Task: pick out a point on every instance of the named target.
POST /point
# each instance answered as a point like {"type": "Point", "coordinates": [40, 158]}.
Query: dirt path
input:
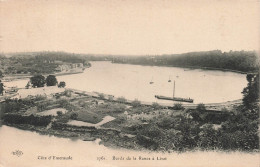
{"type": "Point", "coordinates": [106, 119]}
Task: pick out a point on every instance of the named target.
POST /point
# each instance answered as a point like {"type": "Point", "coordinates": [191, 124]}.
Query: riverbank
{"type": "Point", "coordinates": [10, 78]}
{"type": "Point", "coordinates": [210, 106]}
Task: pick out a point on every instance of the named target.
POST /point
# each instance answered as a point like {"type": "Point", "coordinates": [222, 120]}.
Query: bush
{"type": "Point", "coordinates": [41, 107]}
{"type": "Point", "coordinates": [101, 96]}
{"type": "Point", "coordinates": [121, 100]}
{"type": "Point", "coordinates": [64, 103]}
{"type": "Point", "coordinates": [147, 142]}
{"type": "Point", "coordinates": [64, 118]}
{"type": "Point", "coordinates": [136, 103]}
{"type": "Point", "coordinates": [178, 106]}
{"type": "Point", "coordinates": [74, 116]}
{"type": "Point", "coordinates": [201, 107]}
{"type": "Point", "coordinates": [152, 131]}
{"type": "Point", "coordinates": [224, 109]}
{"type": "Point", "coordinates": [62, 84]}
{"type": "Point", "coordinates": [118, 108]}
{"type": "Point", "coordinates": [166, 122]}
{"type": "Point", "coordinates": [110, 98]}
{"type": "Point", "coordinates": [59, 113]}
{"type": "Point", "coordinates": [67, 93]}
{"type": "Point", "coordinates": [40, 97]}
{"type": "Point", "coordinates": [156, 106]}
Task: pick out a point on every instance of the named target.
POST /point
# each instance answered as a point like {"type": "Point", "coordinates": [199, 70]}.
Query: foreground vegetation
{"type": "Point", "coordinates": [142, 127]}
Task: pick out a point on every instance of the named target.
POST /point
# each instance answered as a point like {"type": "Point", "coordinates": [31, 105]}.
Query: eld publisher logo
{"type": "Point", "coordinates": [18, 153]}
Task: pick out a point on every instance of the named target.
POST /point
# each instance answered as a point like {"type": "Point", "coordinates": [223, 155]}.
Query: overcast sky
{"type": "Point", "coordinates": [129, 26]}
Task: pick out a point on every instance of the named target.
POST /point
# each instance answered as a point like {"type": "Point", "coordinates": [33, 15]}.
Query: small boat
{"type": "Point", "coordinates": [151, 82]}
{"type": "Point", "coordinates": [89, 139]}
{"type": "Point", "coordinates": [189, 100]}
{"type": "Point", "coordinates": [169, 79]}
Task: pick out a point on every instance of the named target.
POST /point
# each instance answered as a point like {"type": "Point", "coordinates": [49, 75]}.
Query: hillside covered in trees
{"type": "Point", "coordinates": [37, 62]}
{"type": "Point", "coordinates": [242, 61]}
{"type": "Point", "coordinates": [46, 62]}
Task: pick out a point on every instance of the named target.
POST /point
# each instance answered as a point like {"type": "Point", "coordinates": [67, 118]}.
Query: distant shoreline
{"type": "Point", "coordinates": [191, 67]}
{"type": "Point", "coordinates": [10, 78]}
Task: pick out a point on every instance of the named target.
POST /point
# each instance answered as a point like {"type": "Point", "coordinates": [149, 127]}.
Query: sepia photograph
{"type": "Point", "coordinates": [129, 83]}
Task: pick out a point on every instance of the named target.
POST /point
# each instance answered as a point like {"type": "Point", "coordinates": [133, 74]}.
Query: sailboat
{"type": "Point", "coordinates": [151, 82]}
{"type": "Point", "coordinates": [169, 79]}
{"type": "Point", "coordinates": [173, 98]}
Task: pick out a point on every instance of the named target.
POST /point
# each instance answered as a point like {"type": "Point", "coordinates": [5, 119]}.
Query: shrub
{"type": "Point", "coordinates": [224, 109]}
{"type": "Point", "coordinates": [74, 116]}
{"type": "Point", "coordinates": [59, 113]}
{"type": "Point", "coordinates": [62, 84]}
{"type": "Point", "coordinates": [64, 103]}
{"type": "Point", "coordinates": [41, 107]}
{"type": "Point", "coordinates": [118, 108]}
{"type": "Point", "coordinates": [101, 96]}
{"type": "Point", "coordinates": [152, 131]}
{"type": "Point", "coordinates": [67, 93]}
{"type": "Point", "coordinates": [121, 100]}
{"type": "Point", "coordinates": [166, 122]}
{"type": "Point", "coordinates": [136, 103]}
{"type": "Point", "coordinates": [64, 118]}
{"type": "Point", "coordinates": [147, 142]}
{"type": "Point", "coordinates": [156, 106]}
{"type": "Point", "coordinates": [178, 106]}
{"type": "Point", "coordinates": [40, 97]}
{"type": "Point", "coordinates": [110, 98]}
{"type": "Point", "coordinates": [201, 107]}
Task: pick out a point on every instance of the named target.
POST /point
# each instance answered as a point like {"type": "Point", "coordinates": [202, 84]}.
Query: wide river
{"type": "Point", "coordinates": [133, 82]}
{"type": "Point", "coordinates": [85, 153]}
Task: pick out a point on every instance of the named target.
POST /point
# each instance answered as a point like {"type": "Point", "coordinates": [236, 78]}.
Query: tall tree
{"type": "Point", "coordinates": [1, 88]}
{"type": "Point", "coordinates": [251, 96]}
{"type": "Point", "coordinates": [251, 92]}
{"type": "Point", "coordinates": [37, 81]}
{"type": "Point", "coordinates": [51, 80]}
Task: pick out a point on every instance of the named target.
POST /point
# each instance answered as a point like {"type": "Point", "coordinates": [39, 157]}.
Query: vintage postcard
{"type": "Point", "coordinates": [128, 83]}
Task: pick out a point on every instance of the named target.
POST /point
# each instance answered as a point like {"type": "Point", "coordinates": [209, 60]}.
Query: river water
{"type": "Point", "coordinates": [85, 153]}
{"type": "Point", "coordinates": [133, 82]}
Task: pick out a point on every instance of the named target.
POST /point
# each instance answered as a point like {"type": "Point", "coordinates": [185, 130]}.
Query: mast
{"type": "Point", "coordinates": [173, 88]}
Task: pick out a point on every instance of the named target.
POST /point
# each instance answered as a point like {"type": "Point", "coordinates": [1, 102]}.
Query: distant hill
{"type": "Point", "coordinates": [239, 61]}
{"type": "Point", "coordinates": [46, 62]}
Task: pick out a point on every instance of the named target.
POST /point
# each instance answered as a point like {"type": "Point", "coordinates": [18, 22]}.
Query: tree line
{"type": "Point", "coordinates": [243, 61]}
{"type": "Point", "coordinates": [38, 62]}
